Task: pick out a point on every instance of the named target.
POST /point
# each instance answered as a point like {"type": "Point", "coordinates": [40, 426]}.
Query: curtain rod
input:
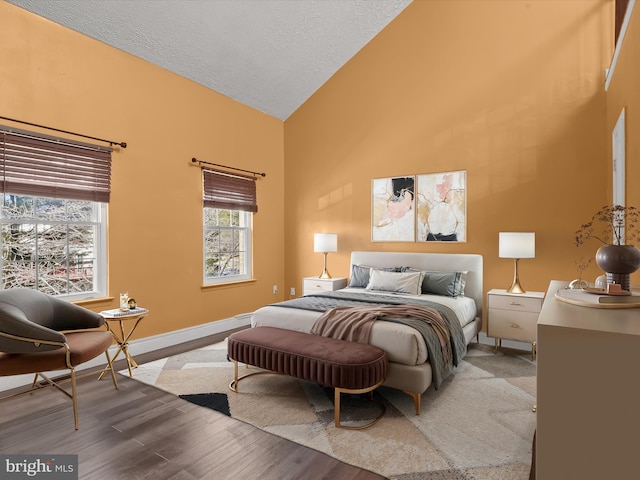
{"type": "Point", "coordinates": [194, 160]}
{"type": "Point", "coordinates": [110, 142]}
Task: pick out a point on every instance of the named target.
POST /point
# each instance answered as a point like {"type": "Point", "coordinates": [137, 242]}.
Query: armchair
{"type": "Point", "coordinates": [40, 333]}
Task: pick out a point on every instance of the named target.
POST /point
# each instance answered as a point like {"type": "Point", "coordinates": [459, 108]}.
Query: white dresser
{"type": "Point", "coordinates": [588, 391]}
{"type": "Point", "coordinates": [317, 284]}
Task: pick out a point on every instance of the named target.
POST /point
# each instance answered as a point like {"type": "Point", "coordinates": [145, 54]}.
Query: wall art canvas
{"type": "Point", "coordinates": [393, 209]}
{"type": "Point", "coordinates": [441, 207]}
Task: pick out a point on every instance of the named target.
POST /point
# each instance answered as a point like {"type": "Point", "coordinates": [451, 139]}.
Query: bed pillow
{"type": "Point", "coordinates": [396, 282]}
{"type": "Point", "coordinates": [450, 284]}
{"type": "Point", "coordinates": [360, 275]}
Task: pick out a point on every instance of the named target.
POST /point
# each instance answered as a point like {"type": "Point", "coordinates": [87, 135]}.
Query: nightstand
{"type": "Point", "coordinates": [317, 284]}
{"type": "Point", "coordinates": [513, 316]}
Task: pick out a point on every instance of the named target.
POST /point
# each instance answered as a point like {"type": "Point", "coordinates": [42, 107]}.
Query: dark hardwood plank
{"type": "Point", "coordinates": [139, 432]}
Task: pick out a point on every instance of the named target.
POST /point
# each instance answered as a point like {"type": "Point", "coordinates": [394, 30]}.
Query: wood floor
{"type": "Point", "coordinates": [140, 432]}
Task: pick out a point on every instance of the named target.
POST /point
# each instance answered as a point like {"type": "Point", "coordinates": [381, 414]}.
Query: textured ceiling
{"type": "Point", "coordinates": [269, 54]}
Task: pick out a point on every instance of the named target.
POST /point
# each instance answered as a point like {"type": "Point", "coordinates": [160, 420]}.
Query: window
{"type": "Point", "coordinates": [227, 245]}
{"type": "Point", "coordinates": [53, 214]}
{"type": "Point", "coordinates": [53, 245]}
{"type": "Point", "coordinates": [229, 202]}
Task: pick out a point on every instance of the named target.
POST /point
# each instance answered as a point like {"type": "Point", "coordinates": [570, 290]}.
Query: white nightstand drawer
{"type": "Point", "coordinates": [519, 326]}
{"type": "Point", "coordinates": [515, 303]}
{"type": "Point", "coordinates": [316, 284]}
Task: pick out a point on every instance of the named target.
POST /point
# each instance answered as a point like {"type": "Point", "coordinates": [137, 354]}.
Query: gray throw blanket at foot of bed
{"type": "Point", "coordinates": [326, 301]}
{"type": "Point", "coordinates": [354, 323]}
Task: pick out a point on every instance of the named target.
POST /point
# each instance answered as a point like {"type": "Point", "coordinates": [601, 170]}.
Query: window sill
{"type": "Point", "coordinates": [213, 286]}
{"type": "Point", "coordinates": [93, 302]}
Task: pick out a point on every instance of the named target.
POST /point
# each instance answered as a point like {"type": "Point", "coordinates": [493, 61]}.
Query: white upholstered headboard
{"type": "Point", "coordinates": [447, 262]}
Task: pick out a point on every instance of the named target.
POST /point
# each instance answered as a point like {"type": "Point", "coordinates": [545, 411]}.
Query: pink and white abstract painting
{"type": "Point", "coordinates": [393, 209]}
{"type": "Point", "coordinates": [441, 210]}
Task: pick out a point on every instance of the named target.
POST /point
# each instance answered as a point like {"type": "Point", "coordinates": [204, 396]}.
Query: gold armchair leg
{"type": "Point", "coordinates": [74, 397]}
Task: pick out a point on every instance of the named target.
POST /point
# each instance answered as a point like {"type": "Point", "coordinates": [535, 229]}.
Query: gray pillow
{"type": "Point", "coordinates": [450, 284]}
{"type": "Point", "coordinates": [360, 275]}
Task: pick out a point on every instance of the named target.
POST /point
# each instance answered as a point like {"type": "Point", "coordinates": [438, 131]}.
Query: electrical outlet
{"type": "Point", "coordinates": [275, 289]}
{"type": "Point", "coordinates": [293, 292]}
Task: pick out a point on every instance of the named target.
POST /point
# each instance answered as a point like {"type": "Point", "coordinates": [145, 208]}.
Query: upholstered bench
{"type": "Point", "coordinates": [345, 366]}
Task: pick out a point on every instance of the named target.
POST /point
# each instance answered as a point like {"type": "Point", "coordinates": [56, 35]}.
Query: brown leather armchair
{"type": "Point", "coordinates": [40, 333]}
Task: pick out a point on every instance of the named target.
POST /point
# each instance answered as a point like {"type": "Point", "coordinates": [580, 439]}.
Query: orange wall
{"type": "Point", "coordinates": [512, 92]}
{"type": "Point", "coordinates": [624, 92]}
{"type": "Point", "coordinates": [53, 76]}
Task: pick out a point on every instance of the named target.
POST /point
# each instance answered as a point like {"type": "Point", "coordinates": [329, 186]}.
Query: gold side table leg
{"type": "Point", "coordinates": [122, 339]}
{"type": "Point", "coordinates": [125, 347]}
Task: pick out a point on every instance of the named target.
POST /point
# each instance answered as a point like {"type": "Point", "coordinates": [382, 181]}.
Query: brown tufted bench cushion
{"type": "Point", "coordinates": [346, 366]}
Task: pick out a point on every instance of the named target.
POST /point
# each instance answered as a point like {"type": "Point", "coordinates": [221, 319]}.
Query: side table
{"type": "Point", "coordinates": [513, 316]}
{"type": "Point", "coordinates": [117, 316]}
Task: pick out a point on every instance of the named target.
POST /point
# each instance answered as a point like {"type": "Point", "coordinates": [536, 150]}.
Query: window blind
{"type": "Point", "coordinates": [45, 166]}
{"type": "Point", "coordinates": [228, 190]}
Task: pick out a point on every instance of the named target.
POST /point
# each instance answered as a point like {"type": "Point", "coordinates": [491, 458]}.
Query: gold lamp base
{"type": "Point", "coordinates": [325, 272]}
{"type": "Point", "coordinates": [515, 286]}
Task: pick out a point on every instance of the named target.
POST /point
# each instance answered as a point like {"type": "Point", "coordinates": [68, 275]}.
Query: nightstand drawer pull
{"type": "Point", "coordinates": [515, 325]}
{"type": "Point", "coordinates": [516, 304]}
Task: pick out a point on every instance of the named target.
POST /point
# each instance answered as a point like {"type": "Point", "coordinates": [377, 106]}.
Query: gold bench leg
{"type": "Point", "coordinates": [339, 391]}
{"type": "Point", "coordinates": [233, 386]}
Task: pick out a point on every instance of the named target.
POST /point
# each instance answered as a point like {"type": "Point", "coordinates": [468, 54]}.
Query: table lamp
{"type": "Point", "coordinates": [325, 243]}
{"type": "Point", "coordinates": [517, 245]}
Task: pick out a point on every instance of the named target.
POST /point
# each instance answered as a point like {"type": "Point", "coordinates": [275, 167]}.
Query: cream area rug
{"type": "Point", "coordinates": [478, 425]}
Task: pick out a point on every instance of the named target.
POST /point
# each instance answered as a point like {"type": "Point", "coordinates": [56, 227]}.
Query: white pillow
{"type": "Point", "coordinates": [397, 282]}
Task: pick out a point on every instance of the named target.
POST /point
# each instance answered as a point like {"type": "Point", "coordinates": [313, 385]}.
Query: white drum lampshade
{"type": "Point", "coordinates": [517, 245]}
{"type": "Point", "coordinates": [325, 243]}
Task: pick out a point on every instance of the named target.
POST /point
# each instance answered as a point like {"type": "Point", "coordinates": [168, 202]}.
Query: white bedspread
{"type": "Point", "coordinates": [402, 343]}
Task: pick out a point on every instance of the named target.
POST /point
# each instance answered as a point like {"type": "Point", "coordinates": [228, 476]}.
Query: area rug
{"type": "Point", "coordinates": [478, 425]}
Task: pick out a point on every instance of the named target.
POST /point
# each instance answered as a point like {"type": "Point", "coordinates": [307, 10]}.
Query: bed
{"type": "Point", "coordinates": [449, 283]}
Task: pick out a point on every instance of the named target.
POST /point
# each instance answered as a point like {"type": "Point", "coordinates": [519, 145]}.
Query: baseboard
{"type": "Point", "coordinates": [145, 345]}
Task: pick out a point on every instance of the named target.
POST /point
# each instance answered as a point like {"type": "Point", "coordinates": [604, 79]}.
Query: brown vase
{"type": "Point", "coordinates": [618, 261]}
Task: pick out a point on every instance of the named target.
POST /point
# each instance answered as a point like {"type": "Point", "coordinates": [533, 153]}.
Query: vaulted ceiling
{"type": "Point", "coordinates": [269, 54]}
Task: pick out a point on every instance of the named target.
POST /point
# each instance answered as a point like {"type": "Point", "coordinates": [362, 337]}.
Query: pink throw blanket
{"type": "Point", "coordinates": [354, 323]}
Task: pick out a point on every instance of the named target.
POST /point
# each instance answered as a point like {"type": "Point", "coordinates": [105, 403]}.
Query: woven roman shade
{"type": "Point", "coordinates": [229, 191]}
{"type": "Point", "coordinates": [44, 166]}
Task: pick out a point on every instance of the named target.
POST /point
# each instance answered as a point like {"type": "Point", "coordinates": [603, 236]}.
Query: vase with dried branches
{"type": "Point", "coordinates": [617, 227]}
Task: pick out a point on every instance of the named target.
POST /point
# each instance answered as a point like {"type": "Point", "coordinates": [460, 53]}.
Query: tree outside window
{"type": "Point", "coordinates": [52, 245]}
{"type": "Point", "coordinates": [227, 245]}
